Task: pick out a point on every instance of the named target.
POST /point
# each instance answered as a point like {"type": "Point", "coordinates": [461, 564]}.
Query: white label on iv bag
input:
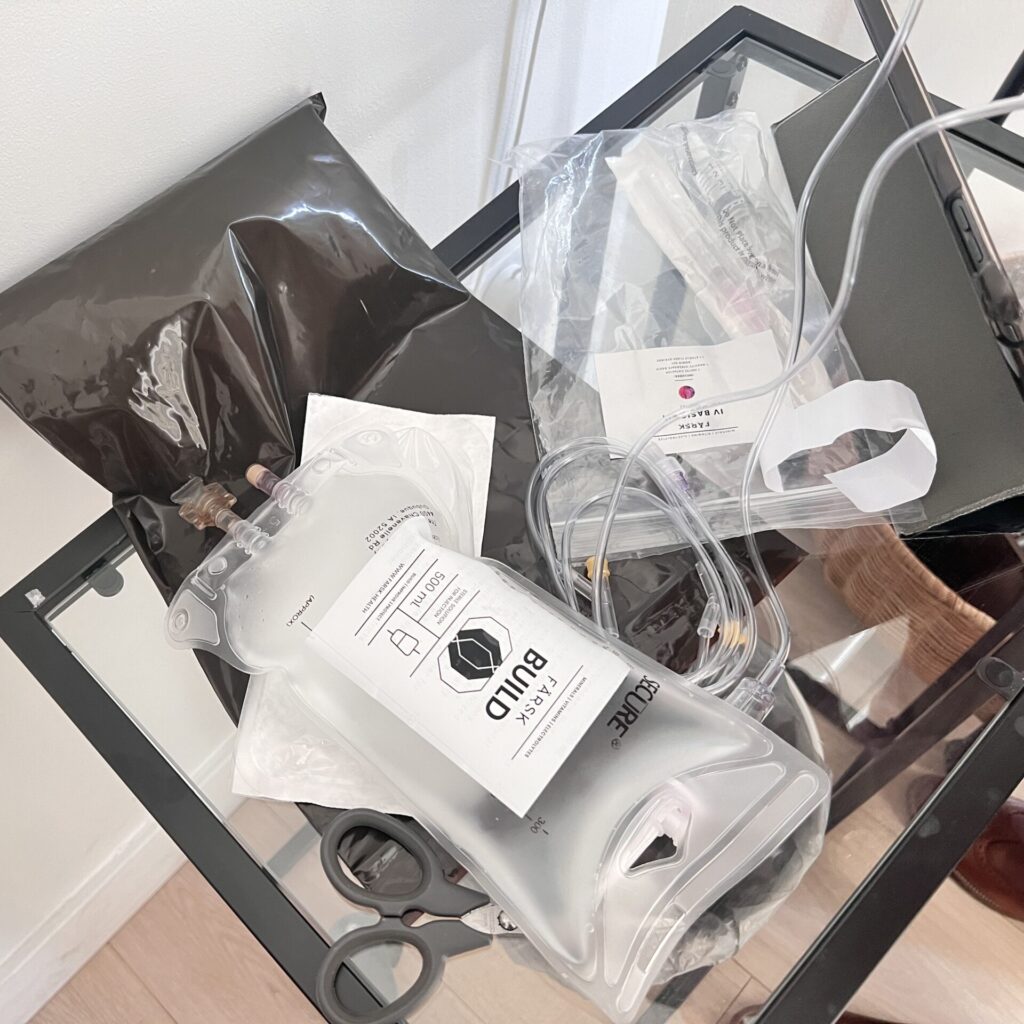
{"type": "Point", "coordinates": [640, 385]}
{"type": "Point", "coordinates": [482, 670]}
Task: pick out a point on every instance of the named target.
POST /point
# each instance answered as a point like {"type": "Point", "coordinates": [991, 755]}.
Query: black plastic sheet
{"type": "Point", "coordinates": [183, 340]}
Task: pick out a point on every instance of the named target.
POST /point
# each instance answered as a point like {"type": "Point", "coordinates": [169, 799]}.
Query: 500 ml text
{"type": "Point", "coordinates": [429, 587]}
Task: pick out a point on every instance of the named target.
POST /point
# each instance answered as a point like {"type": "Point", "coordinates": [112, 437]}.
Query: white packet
{"type": "Point", "coordinates": [281, 751]}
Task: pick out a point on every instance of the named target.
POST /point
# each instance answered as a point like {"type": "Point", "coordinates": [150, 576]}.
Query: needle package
{"type": "Point", "coordinates": [658, 271]}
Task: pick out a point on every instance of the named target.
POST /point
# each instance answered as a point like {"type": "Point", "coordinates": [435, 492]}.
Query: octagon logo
{"type": "Point", "coordinates": [474, 654]}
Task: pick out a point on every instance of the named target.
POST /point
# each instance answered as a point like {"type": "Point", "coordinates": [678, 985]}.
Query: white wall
{"type": "Point", "coordinates": [104, 104]}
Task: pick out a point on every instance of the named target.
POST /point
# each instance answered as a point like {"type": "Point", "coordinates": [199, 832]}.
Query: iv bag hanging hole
{"type": "Point", "coordinates": [660, 848]}
{"type": "Point", "coordinates": [658, 836]}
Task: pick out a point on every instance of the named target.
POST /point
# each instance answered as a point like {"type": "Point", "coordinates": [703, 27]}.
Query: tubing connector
{"type": "Point", "coordinates": [709, 620]}
{"type": "Point", "coordinates": [754, 697]}
{"type": "Point", "coordinates": [287, 497]}
{"type": "Point", "coordinates": [204, 505]}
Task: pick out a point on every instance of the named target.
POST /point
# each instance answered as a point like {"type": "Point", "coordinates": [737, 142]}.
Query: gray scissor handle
{"type": "Point", "coordinates": [433, 893]}
{"type": "Point", "coordinates": [435, 942]}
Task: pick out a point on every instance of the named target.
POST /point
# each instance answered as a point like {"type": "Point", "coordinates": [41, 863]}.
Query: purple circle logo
{"type": "Point", "coordinates": [686, 391]}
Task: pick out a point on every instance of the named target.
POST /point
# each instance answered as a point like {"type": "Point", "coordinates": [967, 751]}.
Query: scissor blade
{"type": "Point", "coordinates": [490, 920]}
{"type": "Point", "coordinates": [450, 938]}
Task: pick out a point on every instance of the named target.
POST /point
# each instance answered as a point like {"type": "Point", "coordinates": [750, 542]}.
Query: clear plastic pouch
{"type": "Point", "coordinates": [664, 256]}
{"type": "Point", "coordinates": [670, 798]}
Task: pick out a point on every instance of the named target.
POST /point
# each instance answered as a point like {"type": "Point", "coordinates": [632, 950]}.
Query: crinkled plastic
{"type": "Point", "coordinates": [183, 340]}
{"type": "Point", "coordinates": [595, 890]}
{"type": "Point", "coordinates": [656, 238]}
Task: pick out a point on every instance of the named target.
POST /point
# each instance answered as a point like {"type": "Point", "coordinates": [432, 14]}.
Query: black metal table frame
{"type": "Point", "coordinates": [842, 957]}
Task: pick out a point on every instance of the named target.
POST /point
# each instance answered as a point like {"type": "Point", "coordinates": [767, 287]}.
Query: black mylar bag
{"type": "Point", "coordinates": [183, 340]}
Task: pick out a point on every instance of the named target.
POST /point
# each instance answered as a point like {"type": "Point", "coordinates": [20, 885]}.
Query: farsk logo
{"type": "Point", "coordinates": [474, 654]}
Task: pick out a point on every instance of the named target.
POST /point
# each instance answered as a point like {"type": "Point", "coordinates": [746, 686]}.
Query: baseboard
{"type": "Point", "coordinates": [67, 938]}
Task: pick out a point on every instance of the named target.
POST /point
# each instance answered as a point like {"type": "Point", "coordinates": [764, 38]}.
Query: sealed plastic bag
{"type": "Point", "coordinates": [658, 270]}
{"type": "Point", "coordinates": [184, 340]}
{"type": "Point", "coordinates": [394, 623]}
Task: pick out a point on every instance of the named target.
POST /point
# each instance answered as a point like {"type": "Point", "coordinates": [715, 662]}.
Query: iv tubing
{"type": "Point", "coordinates": [780, 621]}
{"type": "Point", "coordinates": [722, 581]}
{"type": "Point", "coordinates": [742, 609]}
{"type": "Point", "coordinates": [858, 230]}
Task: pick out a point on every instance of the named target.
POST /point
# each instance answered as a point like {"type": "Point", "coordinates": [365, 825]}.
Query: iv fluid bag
{"type": "Point", "coordinates": [668, 800]}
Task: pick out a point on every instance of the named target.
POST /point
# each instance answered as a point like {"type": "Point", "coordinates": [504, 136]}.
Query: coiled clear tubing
{"type": "Point", "coordinates": [726, 664]}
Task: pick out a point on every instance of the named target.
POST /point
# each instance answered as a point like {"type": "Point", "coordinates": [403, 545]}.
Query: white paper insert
{"type": "Point", "coordinates": [468, 439]}
{"type": "Point", "coordinates": [499, 684]}
{"type": "Point", "coordinates": [641, 385]}
{"type": "Point", "coordinates": [901, 474]}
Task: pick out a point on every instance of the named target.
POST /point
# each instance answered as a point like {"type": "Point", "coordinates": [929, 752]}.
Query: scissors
{"type": "Point", "coordinates": [477, 919]}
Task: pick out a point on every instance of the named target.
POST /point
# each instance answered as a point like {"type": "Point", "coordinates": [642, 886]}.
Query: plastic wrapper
{"type": "Point", "coordinates": [597, 889]}
{"type": "Point", "coordinates": [675, 243]}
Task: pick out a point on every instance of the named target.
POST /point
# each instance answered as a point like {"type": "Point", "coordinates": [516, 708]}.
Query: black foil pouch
{"type": "Point", "coordinates": [184, 339]}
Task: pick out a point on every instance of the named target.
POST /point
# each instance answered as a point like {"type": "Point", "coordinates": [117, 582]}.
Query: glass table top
{"type": "Point", "coordinates": [876, 622]}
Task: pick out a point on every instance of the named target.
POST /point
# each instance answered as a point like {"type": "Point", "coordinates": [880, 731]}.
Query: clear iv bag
{"type": "Point", "coordinates": [661, 759]}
